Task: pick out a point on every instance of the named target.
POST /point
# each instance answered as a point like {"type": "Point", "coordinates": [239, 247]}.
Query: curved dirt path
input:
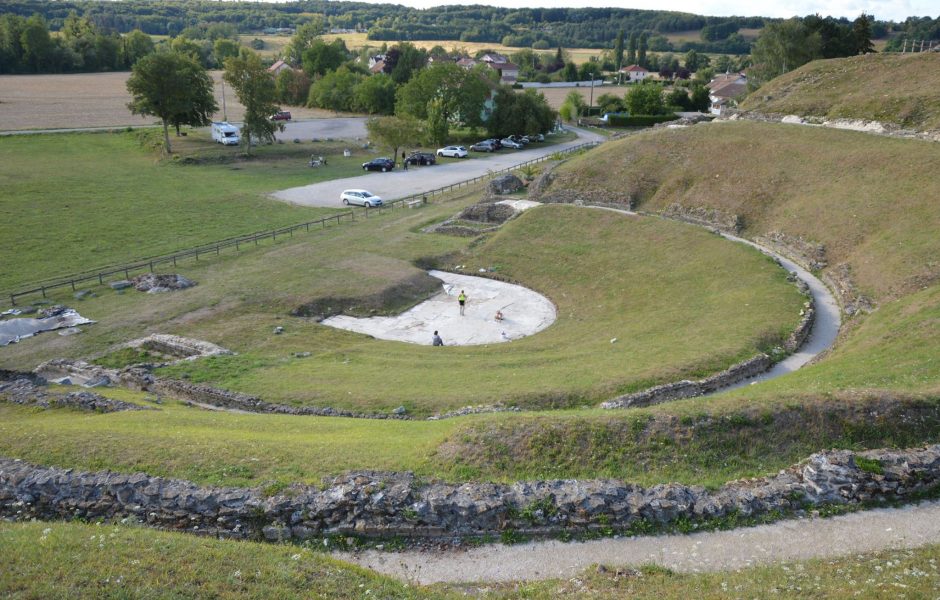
{"type": "Point", "coordinates": [417, 180]}
{"type": "Point", "coordinates": [868, 531]}
{"type": "Point", "coordinates": [825, 327]}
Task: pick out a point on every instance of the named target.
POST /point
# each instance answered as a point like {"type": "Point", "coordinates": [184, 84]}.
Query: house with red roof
{"type": "Point", "coordinates": [634, 73]}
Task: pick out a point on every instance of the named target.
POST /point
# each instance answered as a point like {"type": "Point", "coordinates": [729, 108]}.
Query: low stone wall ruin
{"type": "Point", "coordinates": [27, 392]}
{"type": "Point", "coordinates": [744, 370]}
{"type": "Point", "coordinates": [808, 254]}
{"type": "Point", "coordinates": [374, 504]}
{"type": "Point", "coordinates": [203, 394]}
{"type": "Point", "coordinates": [706, 217]}
{"type": "Point", "coordinates": [686, 388]}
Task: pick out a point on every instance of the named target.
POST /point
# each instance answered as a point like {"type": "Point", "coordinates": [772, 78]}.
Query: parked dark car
{"type": "Point", "coordinates": [379, 164]}
{"type": "Point", "coordinates": [496, 143]}
{"type": "Point", "coordinates": [281, 115]}
{"type": "Point", "coordinates": [485, 146]}
{"type": "Point", "coordinates": [421, 158]}
{"type": "Point", "coordinates": [520, 139]}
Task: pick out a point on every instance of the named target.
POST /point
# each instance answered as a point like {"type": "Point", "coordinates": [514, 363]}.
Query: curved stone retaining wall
{"type": "Point", "coordinates": [393, 504]}
{"type": "Point", "coordinates": [750, 368]}
{"type": "Point", "coordinates": [203, 394]}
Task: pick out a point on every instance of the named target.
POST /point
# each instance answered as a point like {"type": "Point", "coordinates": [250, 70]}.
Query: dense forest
{"type": "Point", "coordinates": [541, 28]}
{"type": "Point", "coordinates": [40, 36]}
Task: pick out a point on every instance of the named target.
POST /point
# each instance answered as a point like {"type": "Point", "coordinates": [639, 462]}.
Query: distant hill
{"type": "Point", "coordinates": [892, 88]}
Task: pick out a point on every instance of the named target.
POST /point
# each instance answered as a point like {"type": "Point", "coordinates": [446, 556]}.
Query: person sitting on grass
{"type": "Point", "coordinates": [436, 340]}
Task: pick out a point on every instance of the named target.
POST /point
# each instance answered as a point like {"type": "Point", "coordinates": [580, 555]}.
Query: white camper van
{"type": "Point", "coordinates": [225, 133]}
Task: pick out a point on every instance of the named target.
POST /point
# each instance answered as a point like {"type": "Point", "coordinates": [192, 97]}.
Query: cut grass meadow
{"type": "Point", "coordinates": [78, 201]}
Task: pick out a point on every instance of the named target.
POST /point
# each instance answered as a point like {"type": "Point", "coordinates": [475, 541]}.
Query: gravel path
{"type": "Point", "coordinates": [825, 327]}
{"type": "Point", "coordinates": [399, 183]}
{"type": "Point", "coordinates": [868, 531]}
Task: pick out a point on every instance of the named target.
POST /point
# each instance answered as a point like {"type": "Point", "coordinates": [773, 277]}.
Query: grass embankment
{"type": "Point", "coordinates": [672, 317]}
{"type": "Point", "coordinates": [891, 88]}
{"type": "Point", "coordinates": [693, 442]}
{"type": "Point", "coordinates": [55, 560]}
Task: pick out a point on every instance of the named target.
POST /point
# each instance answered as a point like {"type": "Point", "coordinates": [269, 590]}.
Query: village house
{"type": "Point", "coordinates": [724, 91]}
{"type": "Point", "coordinates": [634, 73]}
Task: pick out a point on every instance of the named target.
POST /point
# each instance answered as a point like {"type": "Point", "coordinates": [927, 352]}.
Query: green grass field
{"type": "Point", "coordinates": [88, 561]}
{"type": "Point", "coordinates": [78, 201]}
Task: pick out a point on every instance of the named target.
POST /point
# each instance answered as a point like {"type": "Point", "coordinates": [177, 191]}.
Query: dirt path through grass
{"type": "Point", "coordinates": [856, 533]}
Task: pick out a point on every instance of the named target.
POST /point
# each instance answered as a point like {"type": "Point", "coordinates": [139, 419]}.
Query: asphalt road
{"type": "Point", "coordinates": [416, 180]}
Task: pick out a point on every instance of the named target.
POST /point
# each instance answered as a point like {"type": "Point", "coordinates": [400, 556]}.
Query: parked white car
{"type": "Point", "coordinates": [360, 198]}
{"type": "Point", "coordinates": [453, 152]}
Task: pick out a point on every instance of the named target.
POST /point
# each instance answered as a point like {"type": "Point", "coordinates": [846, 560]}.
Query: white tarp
{"type": "Point", "coordinates": [525, 312]}
{"type": "Point", "coordinates": [14, 330]}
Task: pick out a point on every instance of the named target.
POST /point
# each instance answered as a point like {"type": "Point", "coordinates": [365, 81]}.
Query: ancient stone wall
{"type": "Point", "coordinates": [26, 392]}
{"type": "Point", "coordinates": [394, 504]}
{"type": "Point", "coordinates": [808, 254]}
{"type": "Point", "coordinates": [744, 370]}
{"type": "Point", "coordinates": [203, 394]}
{"type": "Point", "coordinates": [707, 217]}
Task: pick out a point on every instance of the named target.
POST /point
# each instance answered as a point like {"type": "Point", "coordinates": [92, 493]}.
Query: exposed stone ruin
{"type": "Point", "coordinates": [375, 504]}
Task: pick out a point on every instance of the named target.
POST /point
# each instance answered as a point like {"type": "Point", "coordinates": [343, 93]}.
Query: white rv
{"type": "Point", "coordinates": [225, 133]}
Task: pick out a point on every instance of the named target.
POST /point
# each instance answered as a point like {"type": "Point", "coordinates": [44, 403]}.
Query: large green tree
{"type": "Point", "coordinates": [394, 132]}
{"type": "Point", "coordinates": [618, 50]}
{"type": "Point", "coordinates": [36, 43]}
{"type": "Point", "coordinates": [137, 45]}
{"type": "Point", "coordinates": [462, 93]}
{"type": "Point", "coordinates": [376, 95]}
{"type": "Point", "coordinates": [255, 89]}
{"type": "Point", "coordinates": [527, 113]}
{"type": "Point", "coordinates": [173, 87]}
{"type": "Point", "coordinates": [861, 34]}
{"type": "Point", "coordinates": [782, 47]}
{"type": "Point", "coordinates": [321, 58]}
{"type": "Point", "coordinates": [645, 99]}
{"type": "Point", "coordinates": [302, 40]}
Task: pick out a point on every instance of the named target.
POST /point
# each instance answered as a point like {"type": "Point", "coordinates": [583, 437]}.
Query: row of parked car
{"type": "Point", "coordinates": [516, 142]}
{"type": "Point", "coordinates": [426, 158]}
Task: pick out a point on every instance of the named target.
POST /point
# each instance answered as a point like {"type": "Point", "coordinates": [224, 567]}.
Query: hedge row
{"type": "Point", "coordinates": [638, 120]}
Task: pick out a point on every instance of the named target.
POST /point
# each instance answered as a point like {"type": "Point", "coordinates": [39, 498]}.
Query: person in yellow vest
{"type": "Point", "coordinates": [462, 300]}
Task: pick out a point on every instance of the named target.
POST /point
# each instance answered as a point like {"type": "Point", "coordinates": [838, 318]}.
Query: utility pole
{"type": "Point", "coordinates": [224, 112]}
{"type": "Point", "coordinates": [591, 105]}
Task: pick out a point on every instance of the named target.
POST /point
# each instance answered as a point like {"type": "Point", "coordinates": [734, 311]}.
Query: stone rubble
{"type": "Point", "coordinates": [379, 504]}
{"type": "Point", "coordinates": [153, 283]}
{"type": "Point", "coordinates": [26, 392]}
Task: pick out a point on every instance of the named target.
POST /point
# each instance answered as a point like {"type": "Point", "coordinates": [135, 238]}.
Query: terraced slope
{"type": "Point", "coordinates": [900, 89]}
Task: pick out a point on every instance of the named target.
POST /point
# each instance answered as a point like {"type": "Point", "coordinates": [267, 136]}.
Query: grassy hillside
{"type": "Point", "coordinates": [892, 88]}
{"type": "Point", "coordinates": [871, 200]}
